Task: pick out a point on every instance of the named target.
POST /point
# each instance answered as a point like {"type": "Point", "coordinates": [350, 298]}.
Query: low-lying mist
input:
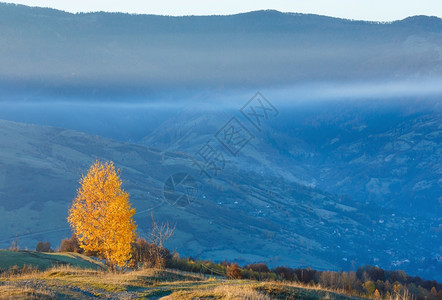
{"type": "Point", "coordinates": [130, 118]}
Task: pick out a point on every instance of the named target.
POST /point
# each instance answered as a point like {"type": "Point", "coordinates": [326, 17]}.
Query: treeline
{"type": "Point", "coordinates": [370, 281]}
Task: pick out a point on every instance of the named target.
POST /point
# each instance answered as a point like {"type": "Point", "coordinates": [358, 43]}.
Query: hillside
{"type": "Point", "coordinates": [238, 215]}
{"type": "Point", "coordinates": [42, 179]}
{"type": "Point", "coordinates": [389, 154]}
{"type": "Point", "coordinates": [43, 261]}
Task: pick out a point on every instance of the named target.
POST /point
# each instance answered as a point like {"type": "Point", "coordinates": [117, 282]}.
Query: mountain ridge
{"type": "Point", "coordinates": [47, 52]}
{"type": "Point", "coordinates": [266, 11]}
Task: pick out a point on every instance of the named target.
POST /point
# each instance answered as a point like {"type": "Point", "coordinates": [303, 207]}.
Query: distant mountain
{"type": "Point", "coordinates": [49, 52]}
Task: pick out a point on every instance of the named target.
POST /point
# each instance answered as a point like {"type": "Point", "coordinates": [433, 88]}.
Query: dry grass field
{"type": "Point", "coordinates": [66, 282]}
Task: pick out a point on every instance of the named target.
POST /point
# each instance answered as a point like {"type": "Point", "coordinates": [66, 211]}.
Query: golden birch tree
{"type": "Point", "coordinates": [101, 215]}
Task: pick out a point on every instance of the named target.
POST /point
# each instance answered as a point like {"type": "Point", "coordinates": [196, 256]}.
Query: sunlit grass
{"type": "Point", "coordinates": [13, 291]}
{"type": "Point", "coordinates": [73, 282]}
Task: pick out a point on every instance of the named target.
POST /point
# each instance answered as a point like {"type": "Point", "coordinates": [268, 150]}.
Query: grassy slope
{"type": "Point", "coordinates": [70, 283]}
{"type": "Point", "coordinates": [45, 260]}
{"type": "Point", "coordinates": [74, 276]}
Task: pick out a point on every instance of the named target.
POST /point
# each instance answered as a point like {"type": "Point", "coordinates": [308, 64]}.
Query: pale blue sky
{"type": "Point", "coordinates": [374, 10]}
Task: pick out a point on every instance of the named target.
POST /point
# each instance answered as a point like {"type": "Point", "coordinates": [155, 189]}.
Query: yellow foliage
{"type": "Point", "coordinates": [101, 215]}
{"type": "Point", "coordinates": [377, 295]}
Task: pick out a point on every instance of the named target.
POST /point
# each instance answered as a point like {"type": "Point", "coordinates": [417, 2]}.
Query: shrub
{"type": "Point", "coordinates": [286, 273]}
{"type": "Point", "coordinates": [43, 247]}
{"type": "Point", "coordinates": [369, 287]}
{"type": "Point", "coordinates": [149, 255]}
{"type": "Point", "coordinates": [233, 271]}
{"type": "Point", "coordinates": [71, 245]}
{"type": "Point", "coordinates": [259, 267]}
{"type": "Point", "coordinates": [14, 246]}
